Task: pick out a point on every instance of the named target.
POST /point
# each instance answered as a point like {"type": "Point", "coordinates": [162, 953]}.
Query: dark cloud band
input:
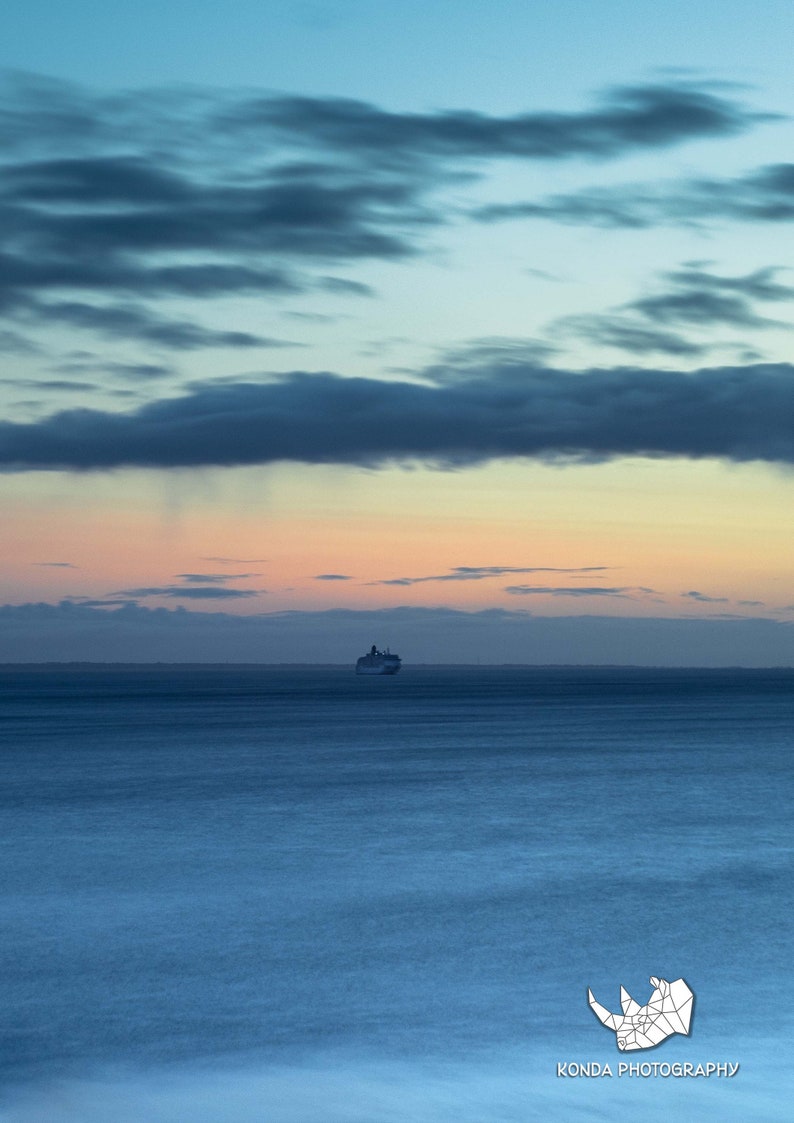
{"type": "Point", "coordinates": [738, 413]}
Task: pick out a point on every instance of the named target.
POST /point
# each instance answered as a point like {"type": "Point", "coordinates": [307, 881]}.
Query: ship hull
{"type": "Point", "coordinates": [381, 669]}
{"type": "Point", "coordinates": [378, 663]}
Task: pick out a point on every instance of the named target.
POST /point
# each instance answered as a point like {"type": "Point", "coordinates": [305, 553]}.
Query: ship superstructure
{"type": "Point", "coordinates": [378, 663]}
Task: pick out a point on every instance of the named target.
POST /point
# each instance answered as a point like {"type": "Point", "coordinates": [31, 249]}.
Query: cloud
{"type": "Point", "coordinates": [120, 226]}
{"type": "Point", "coordinates": [764, 195]}
{"type": "Point", "coordinates": [129, 321]}
{"type": "Point", "coordinates": [12, 343]}
{"type": "Point", "coordinates": [205, 194]}
{"type": "Point", "coordinates": [332, 577]}
{"type": "Point", "coordinates": [698, 297]}
{"type": "Point", "coordinates": [45, 114]}
{"type": "Point", "coordinates": [616, 331]}
{"type": "Point", "coordinates": [190, 592]}
{"type": "Point", "coordinates": [213, 578]}
{"type": "Point", "coordinates": [237, 561]}
{"type": "Point", "coordinates": [53, 269]}
{"type": "Point", "coordinates": [500, 350]}
{"type": "Point", "coordinates": [480, 572]}
{"type": "Point", "coordinates": [92, 602]}
{"type": "Point", "coordinates": [57, 565]}
{"type": "Point", "coordinates": [197, 586]}
{"type": "Point", "coordinates": [693, 594]}
{"type": "Point", "coordinates": [574, 591]}
{"type": "Point", "coordinates": [118, 205]}
{"type": "Point", "coordinates": [133, 371]}
{"type": "Point", "coordinates": [624, 119]}
{"type": "Point", "coordinates": [65, 384]}
{"type": "Point", "coordinates": [693, 298]}
{"type": "Point", "coordinates": [738, 413]}
{"type": "Point", "coordinates": [345, 287]}
{"type": "Point", "coordinates": [133, 633]}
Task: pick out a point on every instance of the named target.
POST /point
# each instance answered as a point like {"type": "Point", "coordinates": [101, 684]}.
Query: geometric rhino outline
{"type": "Point", "coordinates": [669, 1011]}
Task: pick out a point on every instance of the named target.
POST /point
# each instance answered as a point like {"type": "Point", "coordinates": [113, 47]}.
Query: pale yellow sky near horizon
{"type": "Point", "coordinates": [670, 526]}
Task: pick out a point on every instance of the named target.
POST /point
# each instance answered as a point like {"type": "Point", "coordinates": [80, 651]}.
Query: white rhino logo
{"type": "Point", "coordinates": [669, 1011]}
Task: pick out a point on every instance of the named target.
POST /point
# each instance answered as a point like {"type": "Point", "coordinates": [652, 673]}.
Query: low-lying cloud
{"type": "Point", "coordinates": [481, 572]}
{"type": "Point", "coordinates": [214, 578]}
{"type": "Point", "coordinates": [189, 592]}
{"type": "Point", "coordinates": [575, 591]}
{"type": "Point", "coordinates": [704, 598]}
{"type": "Point", "coordinates": [131, 633]}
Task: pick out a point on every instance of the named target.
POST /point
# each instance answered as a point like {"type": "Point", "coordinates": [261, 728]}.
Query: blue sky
{"type": "Point", "coordinates": [511, 53]}
{"type": "Point", "coordinates": [480, 313]}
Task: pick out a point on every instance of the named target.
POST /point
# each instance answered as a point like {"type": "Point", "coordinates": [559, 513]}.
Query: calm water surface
{"type": "Point", "coordinates": [234, 894]}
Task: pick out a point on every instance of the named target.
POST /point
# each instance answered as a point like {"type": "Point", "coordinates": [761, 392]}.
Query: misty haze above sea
{"type": "Point", "coordinates": [235, 894]}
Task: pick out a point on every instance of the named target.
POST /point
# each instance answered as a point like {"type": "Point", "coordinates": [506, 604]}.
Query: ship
{"type": "Point", "coordinates": [378, 663]}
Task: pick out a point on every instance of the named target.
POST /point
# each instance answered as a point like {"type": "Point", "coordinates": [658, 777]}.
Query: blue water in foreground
{"type": "Point", "coordinates": [245, 894]}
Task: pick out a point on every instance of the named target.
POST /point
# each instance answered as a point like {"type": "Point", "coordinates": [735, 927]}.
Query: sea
{"type": "Point", "coordinates": [288, 894]}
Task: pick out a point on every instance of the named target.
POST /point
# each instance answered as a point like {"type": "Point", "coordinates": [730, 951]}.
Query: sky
{"type": "Point", "coordinates": [461, 329]}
